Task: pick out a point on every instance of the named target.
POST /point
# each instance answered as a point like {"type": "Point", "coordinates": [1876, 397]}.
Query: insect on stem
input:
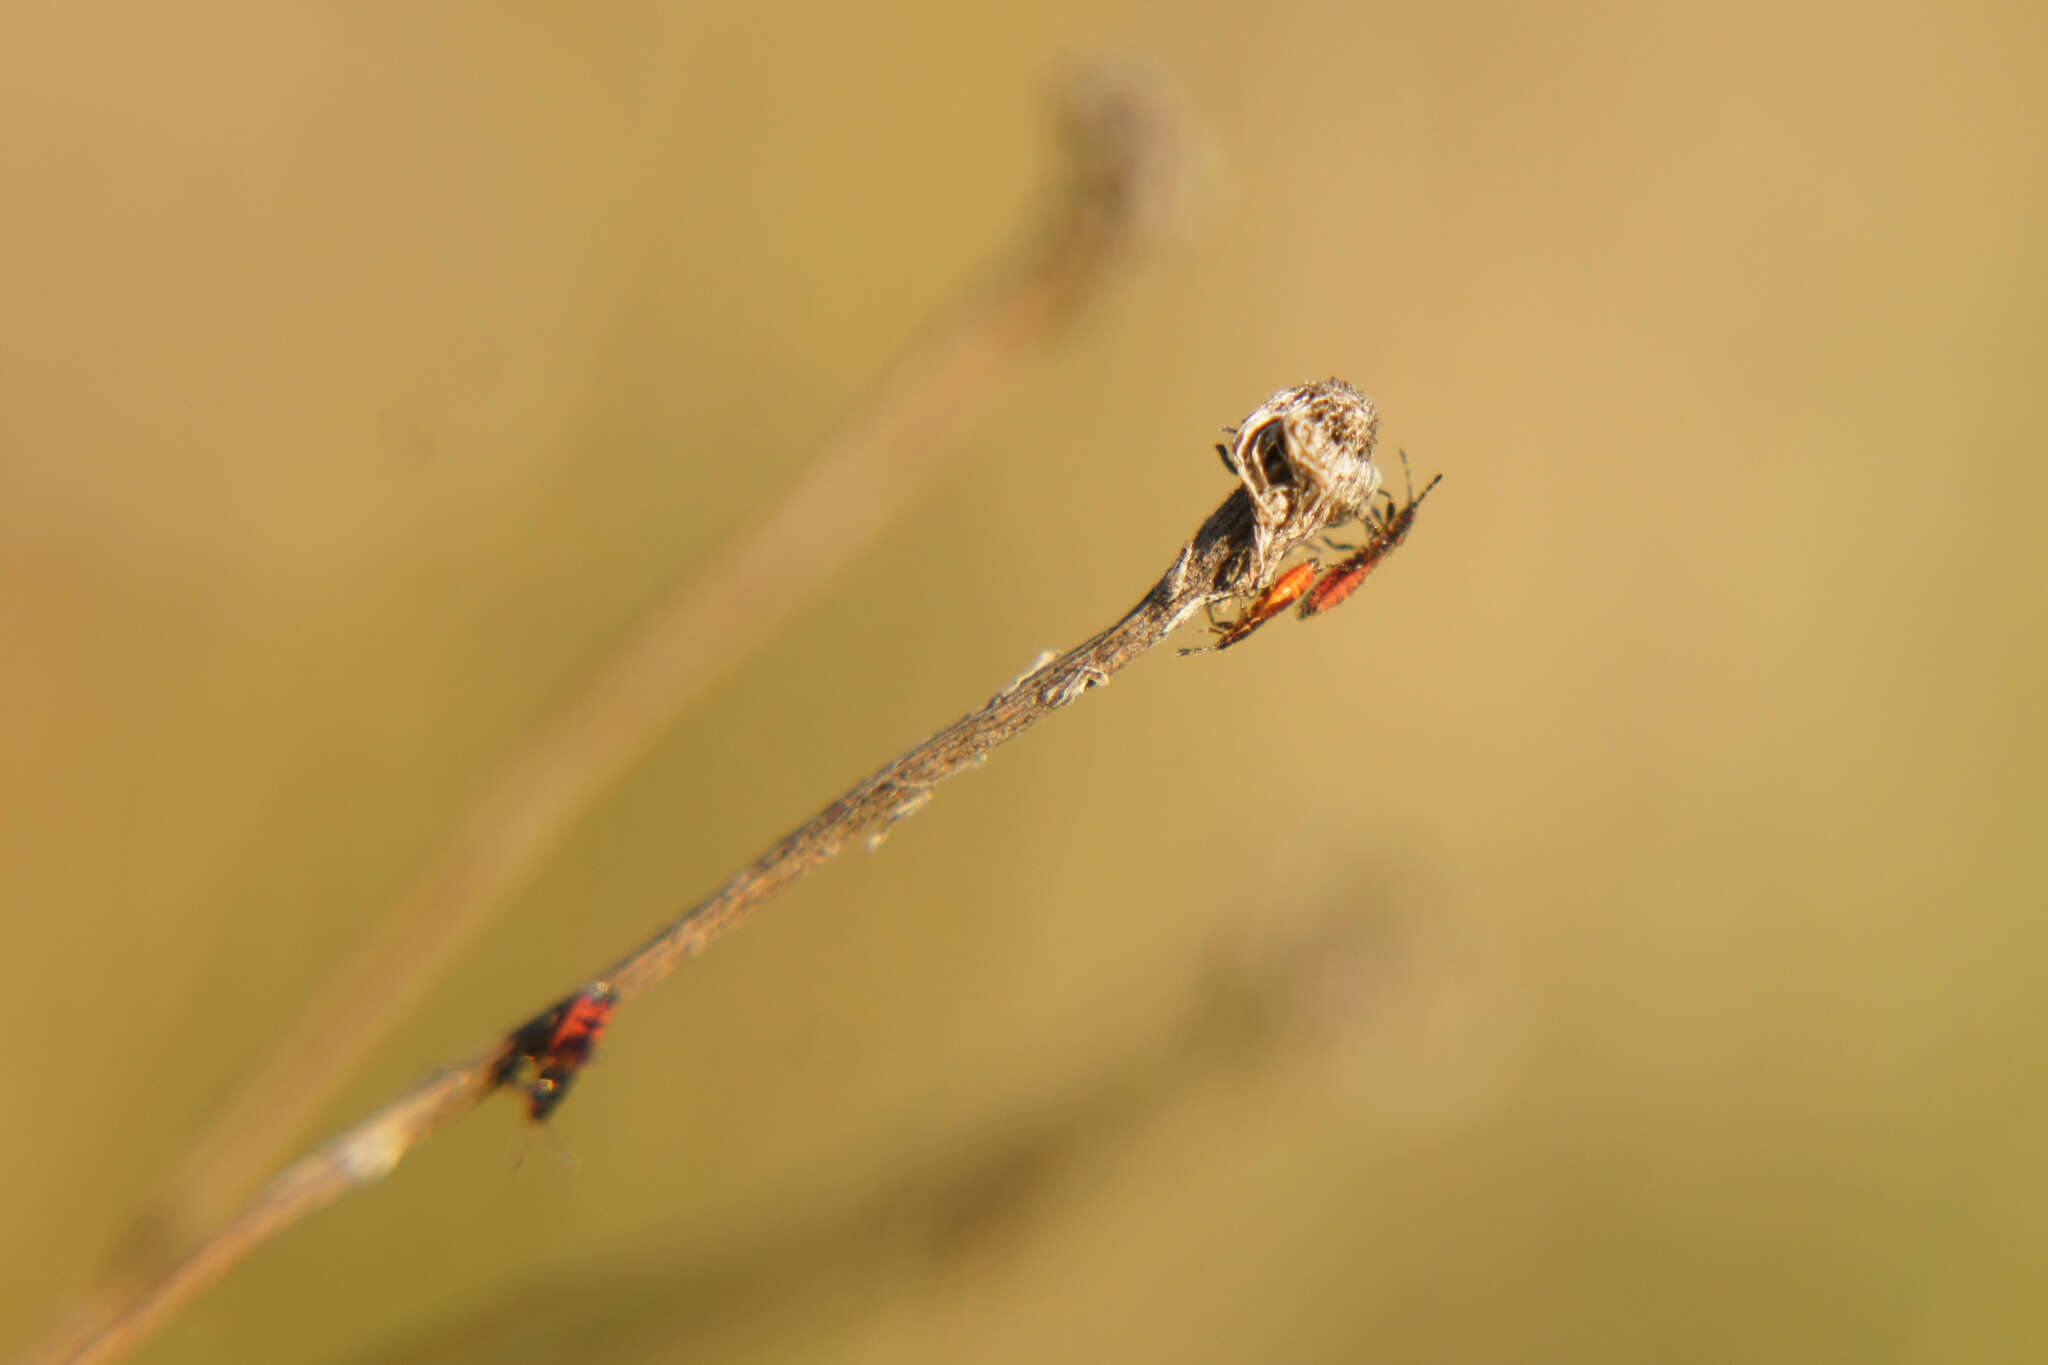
{"type": "Point", "coordinates": [1269, 604]}
{"type": "Point", "coordinates": [543, 1055]}
{"type": "Point", "coordinates": [1316, 587]}
{"type": "Point", "coordinates": [1342, 579]}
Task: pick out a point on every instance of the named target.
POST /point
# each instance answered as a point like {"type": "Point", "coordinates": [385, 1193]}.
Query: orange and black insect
{"type": "Point", "coordinates": [1270, 603]}
{"type": "Point", "coordinates": [543, 1055]}
{"type": "Point", "coordinates": [1341, 579]}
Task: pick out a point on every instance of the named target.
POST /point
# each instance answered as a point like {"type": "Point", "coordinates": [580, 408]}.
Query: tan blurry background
{"type": "Point", "coordinates": [1629, 912]}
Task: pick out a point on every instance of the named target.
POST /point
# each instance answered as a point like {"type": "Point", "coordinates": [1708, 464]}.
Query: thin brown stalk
{"type": "Point", "coordinates": [1304, 463]}
{"type": "Point", "coordinates": [1119, 140]}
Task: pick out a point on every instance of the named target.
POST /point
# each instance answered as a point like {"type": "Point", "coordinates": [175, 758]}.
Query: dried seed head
{"type": "Point", "coordinates": [1305, 456]}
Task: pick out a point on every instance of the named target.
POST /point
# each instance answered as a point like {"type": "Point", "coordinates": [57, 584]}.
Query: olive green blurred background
{"type": "Point", "coordinates": [1615, 936]}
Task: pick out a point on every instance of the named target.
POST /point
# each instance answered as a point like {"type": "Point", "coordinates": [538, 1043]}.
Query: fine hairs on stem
{"type": "Point", "coordinates": [1313, 446]}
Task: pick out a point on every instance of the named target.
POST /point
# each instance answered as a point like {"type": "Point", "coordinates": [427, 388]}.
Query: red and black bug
{"type": "Point", "coordinates": [1388, 530]}
{"type": "Point", "coordinates": [543, 1055]}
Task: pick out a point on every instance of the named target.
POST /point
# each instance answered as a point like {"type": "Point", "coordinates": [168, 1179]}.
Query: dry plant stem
{"type": "Point", "coordinates": [1118, 137]}
{"type": "Point", "coordinates": [1232, 556]}
{"type": "Point", "coordinates": [1202, 574]}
